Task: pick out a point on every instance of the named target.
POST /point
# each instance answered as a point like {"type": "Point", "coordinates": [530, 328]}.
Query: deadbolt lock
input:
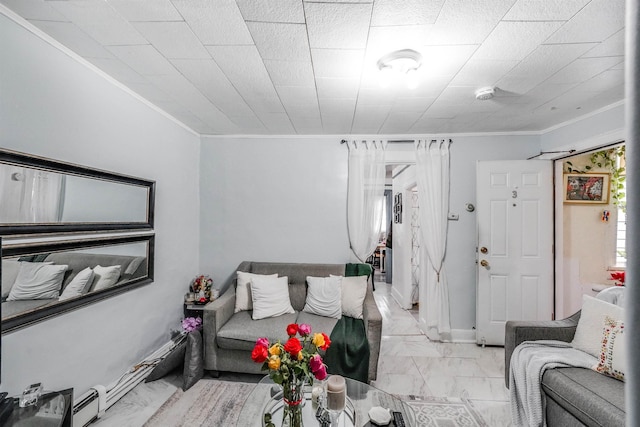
{"type": "Point", "coordinates": [484, 250]}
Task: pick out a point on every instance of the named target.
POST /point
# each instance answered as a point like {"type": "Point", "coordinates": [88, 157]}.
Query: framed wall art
{"type": "Point", "coordinates": [587, 188]}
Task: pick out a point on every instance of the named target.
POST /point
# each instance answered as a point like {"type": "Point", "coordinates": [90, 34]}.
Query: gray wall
{"type": "Point", "coordinates": [53, 106]}
{"type": "Point", "coordinates": [272, 199]}
{"type": "Point", "coordinates": [284, 199]}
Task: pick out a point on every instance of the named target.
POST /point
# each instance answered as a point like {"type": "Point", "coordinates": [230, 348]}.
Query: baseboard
{"type": "Point", "coordinates": [463, 335]}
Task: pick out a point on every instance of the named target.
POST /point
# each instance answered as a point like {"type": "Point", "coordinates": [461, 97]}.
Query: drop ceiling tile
{"type": "Point", "coordinates": [337, 106]}
{"type": "Point", "coordinates": [35, 9]}
{"type": "Point", "coordinates": [297, 96]}
{"type": "Point", "coordinates": [369, 118]}
{"type": "Point", "coordinates": [272, 10]}
{"type": "Point", "coordinates": [541, 64]}
{"type": "Point", "coordinates": [441, 110]}
{"type": "Point", "coordinates": [280, 41]}
{"type": "Point", "coordinates": [251, 124]}
{"type": "Point", "coordinates": [413, 104]}
{"type": "Point", "coordinates": [147, 10]}
{"type": "Point", "coordinates": [399, 122]}
{"type": "Point", "coordinates": [209, 79]}
{"type": "Point", "coordinates": [408, 12]}
{"type": "Point", "coordinates": [215, 22]}
{"type": "Point", "coordinates": [548, 10]}
{"type": "Point", "coordinates": [290, 73]}
{"type": "Point", "coordinates": [597, 21]}
{"type": "Point", "coordinates": [336, 124]}
{"type": "Point", "coordinates": [338, 25]}
{"type": "Point", "coordinates": [445, 60]}
{"type": "Point", "coordinates": [337, 63]}
{"type": "Point", "coordinates": [173, 39]}
{"type": "Point", "coordinates": [183, 92]}
{"type": "Point", "coordinates": [482, 72]}
{"type": "Point", "coordinates": [276, 122]}
{"type": "Point", "coordinates": [144, 59]}
{"type": "Point", "coordinates": [245, 70]}
{"type": "Point", "coordinates": [515, 40]}
{"type": "Point", "coordinates": [307, 125]}
{"type": "Point", "coordinates": [100, 21]}
{"type": "Point", "coordinates": [613, 46]}
{"type": "Point", "coordinates": [155, 95]}
{"type": "Point", "coordinates": [383, 40]}
{"type": "Point", "coordinates": [583, 69]}
{"type": "Point", "coordinates": [337, 88]}
{"type": "Point", "coordinates": [465, 22]}
{"type": "Point", "coordinates": [117, 69]}
{"type": "Point", "coordinates": [604, 82]}
{"type": "Point", "coordinates": [457, 95]}
{"type": "Point", "coordinates": [74, 38]}
{"type": "Point", "coordinates": [376, 96]}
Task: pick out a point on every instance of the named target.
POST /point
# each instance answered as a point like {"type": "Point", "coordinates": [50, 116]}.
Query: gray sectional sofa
{"type": "Point", "coordinates": [229, 337]}
{"type": "Point", "coordinates": [574, 396]}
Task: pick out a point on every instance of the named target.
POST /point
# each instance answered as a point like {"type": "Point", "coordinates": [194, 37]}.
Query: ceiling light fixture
{"type": "Point", "coordinates": [485, 93]}
{"type": "Point", "coordinates": [403, 62]}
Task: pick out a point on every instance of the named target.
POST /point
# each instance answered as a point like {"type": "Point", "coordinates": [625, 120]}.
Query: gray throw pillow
{"type": "Point", "coordinates": [193, 360]}
{"type": "Point", "coordinates": [173, 360]}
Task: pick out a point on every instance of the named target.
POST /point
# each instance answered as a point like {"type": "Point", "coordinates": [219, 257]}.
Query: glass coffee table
{"type": "Point", "coordinates": [361, 398]}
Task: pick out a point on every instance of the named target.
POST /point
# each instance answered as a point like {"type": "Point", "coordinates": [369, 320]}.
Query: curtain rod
{"type": "Point", "coordinates": [551, 152]}
{"type": "Point", "coordinates": [397, 141]}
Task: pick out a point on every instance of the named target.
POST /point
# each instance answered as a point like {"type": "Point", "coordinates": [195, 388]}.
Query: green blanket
{"type": "Point", "coordinates": [348, 354]}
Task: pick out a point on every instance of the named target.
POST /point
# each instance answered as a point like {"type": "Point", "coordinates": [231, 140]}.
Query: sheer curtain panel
{"type": "Point", "coordinates": [365, 198]}
{"type": "Point", "coordinates": [432, 167]}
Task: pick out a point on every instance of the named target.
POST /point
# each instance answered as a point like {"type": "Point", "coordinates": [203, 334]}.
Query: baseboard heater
{"type": "Point", "coordinates": [92, 404]}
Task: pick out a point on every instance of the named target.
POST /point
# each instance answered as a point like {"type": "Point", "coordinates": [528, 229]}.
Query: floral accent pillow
{"type": "Point", "coordinates": [613, 359]}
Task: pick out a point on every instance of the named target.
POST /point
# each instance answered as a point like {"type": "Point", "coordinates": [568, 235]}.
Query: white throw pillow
{"type": "Point", "coordinates": [10, 269]}
{"type": "Point", "coordinates": [79, 285]}
{"type": "Point", "coordinates": [613, 357]}
{"type": "Point", "coordinates": [324, 296]}
{"type": "Point", "coordinates": [354, 290]}
{"type": "Point", "coordinates": [270, 297]}
{"type": "Point", "coordinates": [588, 336]}
{"type": "Point", "coordinates": [105, 276]}
{"type": "Point", "coordinates": [37, 281]}
{"type": "Point", "coordinates": [243, 290]}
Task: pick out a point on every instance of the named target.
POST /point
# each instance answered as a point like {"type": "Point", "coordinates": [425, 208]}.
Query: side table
{"type": "Point", "coordinates": [194, 310]}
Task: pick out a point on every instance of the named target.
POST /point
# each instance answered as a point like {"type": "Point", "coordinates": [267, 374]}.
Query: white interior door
{"type": "Point", "coordinates": [515, 245]}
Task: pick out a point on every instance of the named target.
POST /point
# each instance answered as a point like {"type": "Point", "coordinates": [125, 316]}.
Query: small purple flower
{"type": "Point", "coordinates": [304, 329]}
{"type": "Point", "coordinates": [190, 324]}
{"type": "Point", "coordinates": [264, 342]}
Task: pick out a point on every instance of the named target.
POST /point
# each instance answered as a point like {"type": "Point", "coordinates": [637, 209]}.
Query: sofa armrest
{"type": "Point", "coordinates": [373, 327]}
{"type": "Point", "coordinates": [518, 331]}
{"type": "Point", "coordinates": [215, 315]}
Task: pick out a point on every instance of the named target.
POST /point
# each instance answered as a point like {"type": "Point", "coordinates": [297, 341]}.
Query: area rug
{"type": "Point", "coordinates": [207, 403]}
{"type": "Point", "coordinates": [218, 403]}
{"type": "Point", "coordinates": [444, 412]}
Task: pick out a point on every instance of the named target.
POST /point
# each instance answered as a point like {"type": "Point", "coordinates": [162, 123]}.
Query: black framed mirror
{"type": "Point", "coordinates": [40, 195]}
{"type": "Point", "coordinates": [44, 279]}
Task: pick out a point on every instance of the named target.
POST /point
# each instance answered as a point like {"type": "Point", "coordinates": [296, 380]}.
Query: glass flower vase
{"type": "Point", "coordinates": [293, 401]}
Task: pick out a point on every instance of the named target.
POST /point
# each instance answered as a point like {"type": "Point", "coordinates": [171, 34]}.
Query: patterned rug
{"type": "Point", "coordinates": [218, 403]}
{"type": "Point", "coordinates": [444, 412]}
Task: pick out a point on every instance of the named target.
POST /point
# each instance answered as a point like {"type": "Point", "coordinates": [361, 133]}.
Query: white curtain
{"type": "Point", "coordinates": [365, 198]}
{"type": "Point", "coordinates": [432, 168]}
{"type": "Point", "coordinates": [30, 195]}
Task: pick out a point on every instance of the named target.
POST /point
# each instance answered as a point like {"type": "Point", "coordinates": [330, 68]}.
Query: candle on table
{"type": "Point", "coordinates": [336, 393]}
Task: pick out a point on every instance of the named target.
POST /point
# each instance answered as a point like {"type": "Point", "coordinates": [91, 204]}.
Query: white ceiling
{"type": "Point", "coordinates": [309, 67]}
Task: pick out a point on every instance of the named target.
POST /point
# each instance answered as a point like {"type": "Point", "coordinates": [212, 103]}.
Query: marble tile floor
{"type": "Point", "coordinates": [409, 364]}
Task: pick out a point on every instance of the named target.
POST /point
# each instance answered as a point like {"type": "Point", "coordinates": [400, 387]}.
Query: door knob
{"type": "Point", "coordinates": [484, 263]}
{"type": "Point", "coordinates": [484, 250]}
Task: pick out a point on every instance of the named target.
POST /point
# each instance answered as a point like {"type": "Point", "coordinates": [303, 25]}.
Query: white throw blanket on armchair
{"type": "Point", "coordinates": [528, 363]}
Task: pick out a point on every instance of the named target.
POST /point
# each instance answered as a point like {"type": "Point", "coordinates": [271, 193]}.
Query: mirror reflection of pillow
{"type": "Point", "coordinates": [37, 281]}
{"type": "Point", "coordinates": [10, 269]}
{"type": "Point", "coordinates": [79, 285]}
{"type": "Point", "coordinates": [105, 276]}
